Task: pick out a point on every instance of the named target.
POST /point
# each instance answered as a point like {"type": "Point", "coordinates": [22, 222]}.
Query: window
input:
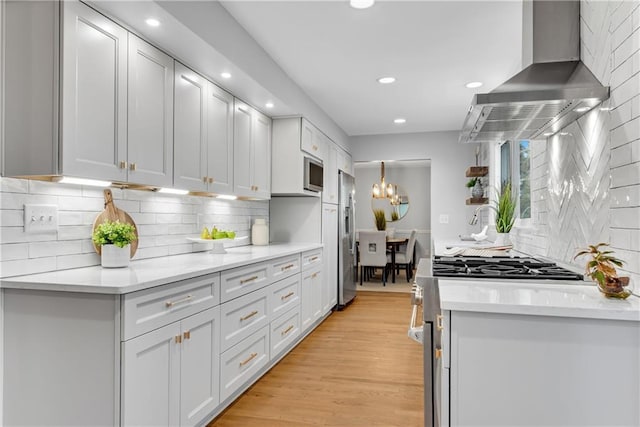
{"type": "Point", "coordinates": [515, 166]}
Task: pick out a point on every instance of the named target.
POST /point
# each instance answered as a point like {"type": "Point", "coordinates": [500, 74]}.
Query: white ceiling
{"type": "Point", "coordinates": [336, 53]}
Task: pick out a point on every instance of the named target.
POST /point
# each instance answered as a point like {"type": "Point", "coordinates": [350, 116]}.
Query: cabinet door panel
{"type": "Point", "coordinates": [94, 127]}
{"type": "Point", "coordinates": [150, 136]}
{"type": "Point", "coordinates": [330, 257]}
{"type": "Point", "coordinates": [190, 154]}
{"type": "Point", "coordinates": [330, 171]}
{"type": "Point", "coordinates": [242, 150]}
{"type": "Point", "coordinates": [200, 380]}
{"type": "Point", "coordinates": [151, 378]}
{"type": "Point", "coordinates": [220, 139]}
{"type": "Point", "coordinates": [261, 144]}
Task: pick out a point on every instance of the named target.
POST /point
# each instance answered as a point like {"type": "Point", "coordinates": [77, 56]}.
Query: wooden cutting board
{"type": "Point", "coordinates": [112, 213]}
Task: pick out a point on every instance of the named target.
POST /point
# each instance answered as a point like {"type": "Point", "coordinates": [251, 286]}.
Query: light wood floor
{"type": "Point", "coordinates": [358, 368]}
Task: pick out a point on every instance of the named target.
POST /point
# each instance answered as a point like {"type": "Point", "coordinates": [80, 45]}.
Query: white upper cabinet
{"type": "Point", "coordinates": [150, 123]}
{"type": "Point", "coordinates": [94, 95]}
{"type": "Point", "coordinates": [190, 131]}
{"type": "Point", "coordinates": [330, 171]}
{"type": "Point", "coordinates": [219, 140]}
{"type": "Point", "coordinates": [345, 163]}
{"type": "Point", "coordinates": [203, 134]}
{"type": "Point", "coordinates": [251, 152]}
{"type": "Point", "coordinates": [312, 140]}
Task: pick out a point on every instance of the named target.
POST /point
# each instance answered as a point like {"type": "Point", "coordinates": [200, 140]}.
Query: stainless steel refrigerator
{"type": "Point", "coordinates": [347, 263]}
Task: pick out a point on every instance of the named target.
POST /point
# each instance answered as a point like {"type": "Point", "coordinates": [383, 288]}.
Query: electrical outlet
{"type": "Point", "coordinates": [40, 218]}
{"type": "Point", "coordinates": [444, 219]}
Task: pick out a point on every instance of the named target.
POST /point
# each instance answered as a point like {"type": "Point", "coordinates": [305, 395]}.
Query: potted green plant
{"type": "Point", "coordinates": [505, 208]}
{"type": "Point", "coordinates": [602, 269]}
{"type": "Point", "coordinates": [394, 215]}
{"type": "Point", "coordinates": [470, 184]}
{"type": "Point", "coordinates": [114, 239]}
{"type": "Point", "coordinates": [380, 220]}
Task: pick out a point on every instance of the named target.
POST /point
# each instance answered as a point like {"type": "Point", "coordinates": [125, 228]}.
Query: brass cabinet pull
{"type": "Point", "coordinates": [315, 147]}
{"type": "Point", "coordinates": [438, 353]}
{"type": "Point", "coordinates": [439, 325]}
{"type": "Point", "coordinates": [284, 297]}
{"type": "Point", "coordinates": [313, 259]}
{"type": "Point", "coordinates": [123, 164]}
{"type": "Point", "coordinates": [205, 179]}
{"type": "Point", "coordinates": [210, 180]}
{"type": "Point", "coordinates": [178, 339]}
{"type": "Point", "coordinates": [187, 335]}
{"type": "Point", "coordinates": [313, 276]}
{"type": "Point", "coordinates": [249, 316]}
{"type": "Point", "coordinates": [180, 301]}
{"type": "Point", "coordinates": [286, 331]}
{"type": "Point", "coordinates": [248, 359]}
{"type": "Point", "coordinates": [256, 188]}
{"type": "Point", "coordinates": [286, 267]}
{"type": "Point", "coordinates": [250, 279]}
{"type": "Point", "coordinates": [132, 166]}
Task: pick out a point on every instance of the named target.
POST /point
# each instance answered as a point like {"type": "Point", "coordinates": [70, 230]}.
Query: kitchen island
{"type": "Point", "coordinates": [536, 353]}
{"type": "Point", "coordinates": [166, 341]}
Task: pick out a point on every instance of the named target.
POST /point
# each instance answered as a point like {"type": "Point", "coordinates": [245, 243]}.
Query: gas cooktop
{"type": "Point", "coordinates": [500, 268]}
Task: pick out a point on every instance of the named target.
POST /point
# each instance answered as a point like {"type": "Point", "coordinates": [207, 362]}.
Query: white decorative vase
{"type": "Point", "coordinates": [502, 239]}
{"type": "Point", "coordinates": [114, 257]}
{"type": "Point", "coordinates": [260, 233]}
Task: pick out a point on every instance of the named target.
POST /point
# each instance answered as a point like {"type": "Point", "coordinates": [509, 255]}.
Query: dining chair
{"type": "Point", "coordinates": [373, 252]}
{"type": "Point", "coordinates": [405, 258]}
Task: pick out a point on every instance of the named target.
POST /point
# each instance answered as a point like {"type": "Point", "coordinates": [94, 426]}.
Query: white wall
{"type": "Point", "coordinates": [163, 223]}
{"type": "Point", "coordinates": [449, 160]}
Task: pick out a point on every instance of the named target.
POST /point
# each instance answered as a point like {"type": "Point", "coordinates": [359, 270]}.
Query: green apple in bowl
{"type": "Point", "coordinates": [231, 234]}
{"type": "Point", "coordinates": [219, 235]}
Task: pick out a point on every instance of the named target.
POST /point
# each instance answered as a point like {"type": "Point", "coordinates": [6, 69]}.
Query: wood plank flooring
{"type": "Point", "coordinates": [358, 368]}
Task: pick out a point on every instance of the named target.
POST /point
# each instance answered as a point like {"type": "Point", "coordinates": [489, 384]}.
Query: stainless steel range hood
{"type": "Point", "coordinates": [552, 92]}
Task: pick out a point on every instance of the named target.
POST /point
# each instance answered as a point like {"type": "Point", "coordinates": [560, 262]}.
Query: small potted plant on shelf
{"type": "Point", "coordinates": [602, 269]}
{"type": "Point", "coordinates": [505, 208]}
{"type": "Point", "coordinates": [470, 184]}
{"type": "Point", "coordinates": [380, 220]}
{"type": "Point", "coordinates": [114, 239]}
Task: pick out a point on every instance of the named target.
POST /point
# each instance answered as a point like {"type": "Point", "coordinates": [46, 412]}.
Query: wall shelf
{"type": "Point", "coordinates": [476, 171]}
{"type": "Point", "coordinates": [480, 201]}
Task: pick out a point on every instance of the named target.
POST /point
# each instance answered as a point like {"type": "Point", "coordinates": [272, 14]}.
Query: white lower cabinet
{"type": "Point", "coordinates": [170, 375]}
{"type": "Point", "coordinates": [243, 316]}
{"type": "Point", "coordinates": [284, 330]}
{"type": "Point", "coordinates": [311, 297]}
{"type": "Point", "coordinates": [243, 361]}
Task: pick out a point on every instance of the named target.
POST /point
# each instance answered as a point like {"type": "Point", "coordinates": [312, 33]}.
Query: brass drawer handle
{"type": "Point", "coordinates": [284, 297]}
{"type": "Point", "coordinates": [313, 276]}
{"type": "Point", "coordinates": [180, 301]}
{"type": "Point", "coordinates": [438, 353]}
{"type": "Point", "coordinates": [248, 359]}
{"type": "Point", "coordinates": [249, 316]}
{"type": "Point", "coordinates": [313, 259]}
{"type": "Point", "coordinates": [187, 335]}
{"type": "Point", "coordinates": [315, 148]}
{"type": "Point", "coordinates": [178, 339]}
{"type": "Point", "coordinates": [439, 325]}
{"type": "Point", "coordinates": [286, 331]}
{"type": "Point", "coordinates": [250, 279]}
{"type": "Point", "coordinates": [286, 267]}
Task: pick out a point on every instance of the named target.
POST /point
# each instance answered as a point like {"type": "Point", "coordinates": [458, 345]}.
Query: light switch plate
{"type": "Point", "coordinates": [444, 219]}
{"type": "Point", "coordinates": [40, 218]}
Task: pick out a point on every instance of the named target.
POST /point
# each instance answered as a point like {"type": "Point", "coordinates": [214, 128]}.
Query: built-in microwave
{"type": "Point", "coordinates": [313, 175]}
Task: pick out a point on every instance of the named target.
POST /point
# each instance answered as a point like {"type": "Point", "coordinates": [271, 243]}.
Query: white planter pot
{"type": "Point", "coordinates": [113, 256]}
{"type": "Point", "coordinates": [502, 239]}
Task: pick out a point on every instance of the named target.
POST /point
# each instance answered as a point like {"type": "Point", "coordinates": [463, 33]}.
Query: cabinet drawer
{"type": "Point", "coordinates": [239, 281]}
{"type": "Point", "coordinates": [243, 361]}
{"type": "Point", "coordinates": [284, 295]}
{"type": "Point", "coordinates": [285, 267]}
{"type": "Point", "coordinates": [243, 316]}
{"type": "Point", "coordinates": [284, 330]}
{"type": "Point", "coordinates": [311, 258]}
{"type": "Point", "coordinates": [149, 309]}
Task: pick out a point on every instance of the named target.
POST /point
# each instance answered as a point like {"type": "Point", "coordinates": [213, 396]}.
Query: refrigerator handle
{"type": "Point", "coordinates": [352, 231]}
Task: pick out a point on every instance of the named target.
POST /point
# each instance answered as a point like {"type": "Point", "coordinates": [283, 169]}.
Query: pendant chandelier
{"type": "Point", "coordinates": [382, 190]}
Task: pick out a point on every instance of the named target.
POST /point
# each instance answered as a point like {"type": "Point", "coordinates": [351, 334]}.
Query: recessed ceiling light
{"type": "Point", "coordinates": [473, 85]}
{"type": "Point", "coordinates": [225, 75]}
{"type": "Point", "coordinates": [581, 109]}
{"type": "Point", "coordinates": [152, 22]}
{"type": "Point", "coordinates": [269, 105]}
{"type": "Point", "coordinates": [400, 121]}
{"type": "Point", "coordinates": [361, 4]}
{"type": "Point", "coordinates": [386, 80]}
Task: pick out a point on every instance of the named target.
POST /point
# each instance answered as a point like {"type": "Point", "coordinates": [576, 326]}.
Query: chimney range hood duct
{"type": "Point", "coordinates": [552, 92]}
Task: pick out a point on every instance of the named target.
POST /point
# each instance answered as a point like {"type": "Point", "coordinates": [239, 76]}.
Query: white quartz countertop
{"type": "Point", "coordinates": [151, 272]}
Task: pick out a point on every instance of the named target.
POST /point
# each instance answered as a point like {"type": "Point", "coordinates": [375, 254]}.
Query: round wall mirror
{"type": "Point", "coordinates": [394, 209]}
